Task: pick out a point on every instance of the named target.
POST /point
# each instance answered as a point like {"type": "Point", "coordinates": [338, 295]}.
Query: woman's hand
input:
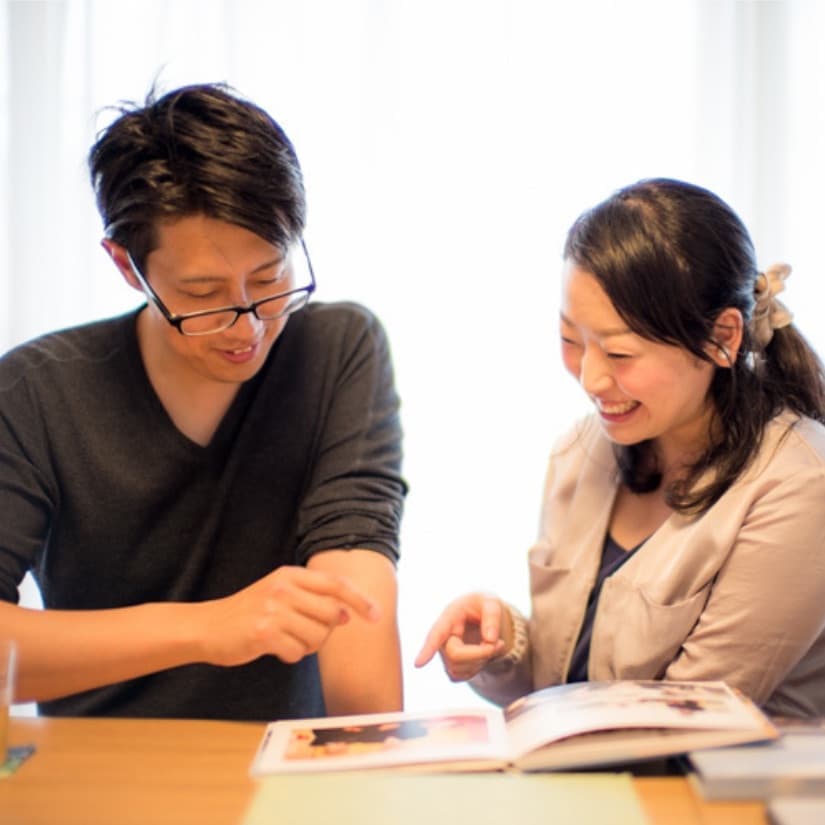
{"type": "Point", "coordinates": [472, 630]}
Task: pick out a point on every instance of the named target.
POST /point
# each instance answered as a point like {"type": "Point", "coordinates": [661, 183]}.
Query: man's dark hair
{"type": "Point", "coordinates": [200, 149]}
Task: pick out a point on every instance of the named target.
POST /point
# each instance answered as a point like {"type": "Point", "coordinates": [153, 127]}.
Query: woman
{"type": "Point", "coordinates": [683, 527]}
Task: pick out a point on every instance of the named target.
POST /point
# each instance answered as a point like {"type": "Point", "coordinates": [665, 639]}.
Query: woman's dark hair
{"type": "Point", "coordinates": [671, 256]}
{"type": "Point", "coordinates": [196, 150]}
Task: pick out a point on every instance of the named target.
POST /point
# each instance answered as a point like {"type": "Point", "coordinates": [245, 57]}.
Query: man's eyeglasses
{"type": "Point", "coordinates": [209, 321]}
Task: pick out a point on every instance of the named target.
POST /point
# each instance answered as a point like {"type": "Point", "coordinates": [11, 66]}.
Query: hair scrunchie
{"type": "Point", "coordinates": [769, 314]}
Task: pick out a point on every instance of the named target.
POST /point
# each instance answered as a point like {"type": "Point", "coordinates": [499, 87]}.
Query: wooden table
{"type": "Point", "coordinates": [152, 772]}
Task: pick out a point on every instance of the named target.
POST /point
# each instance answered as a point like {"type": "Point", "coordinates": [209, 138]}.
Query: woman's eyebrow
{"type": "Point", "coordinates": [610, 332]}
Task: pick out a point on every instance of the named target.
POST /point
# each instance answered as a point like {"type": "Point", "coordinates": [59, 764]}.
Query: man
{"type": "Point", "coordinates": [207, 489]}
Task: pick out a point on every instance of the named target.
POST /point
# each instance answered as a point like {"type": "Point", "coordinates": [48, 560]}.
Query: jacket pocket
{"type": "Point", "coordinates": [636, 637]}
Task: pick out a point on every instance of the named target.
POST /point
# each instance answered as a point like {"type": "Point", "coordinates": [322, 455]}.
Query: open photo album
{"type": "Point", "coordinates": [581, 725]}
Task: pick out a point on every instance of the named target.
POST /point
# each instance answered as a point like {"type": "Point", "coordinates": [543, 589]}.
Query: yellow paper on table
{"type": "Point", "coordinates": [429, 799]}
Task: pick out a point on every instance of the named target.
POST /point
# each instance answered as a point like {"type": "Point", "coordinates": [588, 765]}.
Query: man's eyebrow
{"type": "Point", "coordinates": [604, 333]}
{"type": "Point", "coordinates": [211, 279]}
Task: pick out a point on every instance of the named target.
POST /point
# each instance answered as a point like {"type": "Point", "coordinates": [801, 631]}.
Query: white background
{"type": "Point", "coordinates": [447, 146]}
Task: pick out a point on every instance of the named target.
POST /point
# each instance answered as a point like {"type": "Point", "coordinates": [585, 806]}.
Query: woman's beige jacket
{"type": "Point", "coordinates": [736, 594]}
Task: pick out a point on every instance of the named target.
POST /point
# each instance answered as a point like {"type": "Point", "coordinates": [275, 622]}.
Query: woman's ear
{"type": "Point", "coordinates": [723, 347]}
{"type": "Point", "coordinates": [118, 254]}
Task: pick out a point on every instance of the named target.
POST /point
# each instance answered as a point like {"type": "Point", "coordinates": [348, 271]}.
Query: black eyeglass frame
{"type": "Point", "coordinates": [177, 321]}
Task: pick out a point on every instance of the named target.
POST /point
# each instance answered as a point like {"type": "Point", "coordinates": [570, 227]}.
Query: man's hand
{"type": "Point", "coordinates": [288, 614]}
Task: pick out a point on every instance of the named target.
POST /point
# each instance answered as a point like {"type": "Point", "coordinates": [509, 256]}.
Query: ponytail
{"type": "Point", "coordinates": [793, 374]}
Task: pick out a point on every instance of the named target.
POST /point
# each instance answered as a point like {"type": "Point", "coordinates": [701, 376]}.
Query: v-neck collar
{"type": "Point", "coordinates": [147, 400]}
